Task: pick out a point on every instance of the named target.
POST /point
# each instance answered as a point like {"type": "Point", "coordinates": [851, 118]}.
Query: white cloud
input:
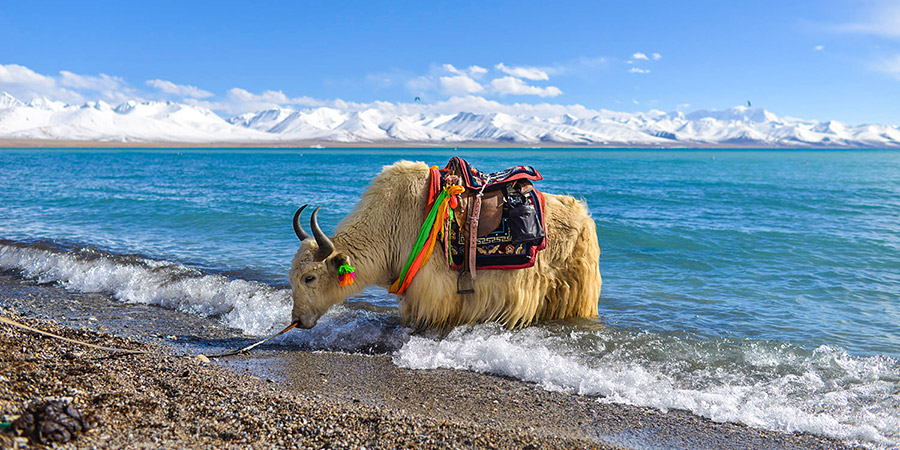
{"type": "Point", "coordinates": [110, 88]}
{"type": "Point", "coordinates": [239, 101]}
{"type": "Point", "coordinates": [100, 83]}
{"type": "Point", "coordinates": [529, 73]}
{"type": "Point", "coordinates": [481, 105]}
{"type": "Point", "coordinates": [515, 86]}
{"type": "Point", "coordinates": [656, 56]}
{"type": "Point", "coordinates": [14, 74]}
{"type": "Point", "coordinates": [419, 85]}
{"type": "Point", "coordinates": [451, 69]}
{"type": "Point", "coordinates": [819, 48]}
{"type": "Point", "coordinates": [880, 18]}
{"type": "Point", "coordinates": [242, 97]}
{"type": "Point", "coordinates": [477, 71]}
{"type": "Point", "coordinates": [640, 55]}
{"type": "Point", "coordinates": [26, 84]}
{"type": "Point", "coordinates": [638, 70]}
{"type": "Point", "coordinates": [683, 105]}
{"type": "Point", "coordinates": [460, 85]}
{"type": "Point", "coordinates": [582, 65]}
{"type": "Point", "coordinates": [182, 90]}
{"type": "Point", "coordinates": [472, 71]}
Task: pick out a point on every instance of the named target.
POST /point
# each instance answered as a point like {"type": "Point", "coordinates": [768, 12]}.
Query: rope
{"type": "Point", "coordinates": [137, 352]}
{"type": "Point", "coordinates": [251, 347]}
{"type": "Point", "coordinates": [74, 341]}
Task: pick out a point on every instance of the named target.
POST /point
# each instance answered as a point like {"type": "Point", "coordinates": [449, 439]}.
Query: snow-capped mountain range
{"type": "Point", "coordinates": [385, 123]}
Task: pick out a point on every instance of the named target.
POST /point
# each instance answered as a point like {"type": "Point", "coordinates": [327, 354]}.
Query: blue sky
{"type": "Point", "coordinates": [817, 60]}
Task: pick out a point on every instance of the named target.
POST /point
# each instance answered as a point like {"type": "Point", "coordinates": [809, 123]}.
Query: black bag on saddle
{"type": "Point", "coordinates": [524, 224]}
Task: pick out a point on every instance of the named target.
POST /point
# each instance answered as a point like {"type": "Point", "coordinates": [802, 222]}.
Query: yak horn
{"type": "Point", "coordinates": [298, 230]}
{"type": "Point", "coordinates": [326, 247]}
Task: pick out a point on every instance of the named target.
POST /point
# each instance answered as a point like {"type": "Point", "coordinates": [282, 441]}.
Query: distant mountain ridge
{"type": "Point", "coordinates": [148, 121]}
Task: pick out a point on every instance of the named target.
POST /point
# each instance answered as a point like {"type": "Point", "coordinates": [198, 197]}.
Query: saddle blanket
{"type": "Point", "coordinates": [504, 247]}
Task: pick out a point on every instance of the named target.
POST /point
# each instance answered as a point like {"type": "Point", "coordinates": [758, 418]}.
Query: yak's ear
{"type": "Point", "coordinates": [338, 259]}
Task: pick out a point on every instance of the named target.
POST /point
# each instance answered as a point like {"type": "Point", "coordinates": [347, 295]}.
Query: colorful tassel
{"type": "Point", "coordinates": [421, 251]}
{"type": "Point", "coordinates": [346, 274]}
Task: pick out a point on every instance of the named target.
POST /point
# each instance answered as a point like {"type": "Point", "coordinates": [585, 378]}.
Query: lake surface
{"type": "Point", "coordinates": [760, 287]}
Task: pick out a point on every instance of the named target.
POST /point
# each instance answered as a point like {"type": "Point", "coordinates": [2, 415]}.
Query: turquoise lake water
{"type": "Point", "coordinates": [760, 287]}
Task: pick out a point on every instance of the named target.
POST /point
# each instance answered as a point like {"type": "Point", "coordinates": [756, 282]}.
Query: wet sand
{"type": "Point", "coordinates": [296, 399]}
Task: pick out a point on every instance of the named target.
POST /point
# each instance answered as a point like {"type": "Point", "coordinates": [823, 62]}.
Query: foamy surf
{"type": "Point", "coordinates": [825, 392]}
{"type": "Point", "coordinates": [768, 385]}
{"type": "Point", "coordinates": [252, 307]}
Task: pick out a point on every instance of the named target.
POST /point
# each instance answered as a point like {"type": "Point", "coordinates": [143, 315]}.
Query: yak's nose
{"type": "Point", "coordinates": [307, 321]}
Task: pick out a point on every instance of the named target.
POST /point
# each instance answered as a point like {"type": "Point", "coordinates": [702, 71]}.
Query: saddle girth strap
{"type": "Point", "coordinates": [472, 248]}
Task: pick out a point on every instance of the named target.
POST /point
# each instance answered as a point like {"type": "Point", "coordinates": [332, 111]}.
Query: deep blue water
{"type": "Point", "coordinates": [722, 270]}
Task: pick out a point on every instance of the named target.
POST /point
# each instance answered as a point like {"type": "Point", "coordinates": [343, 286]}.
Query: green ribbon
{"type": "Point", "coordinates": [424, 232]}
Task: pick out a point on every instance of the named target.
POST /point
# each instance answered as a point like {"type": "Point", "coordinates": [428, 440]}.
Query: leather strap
{"type": "Point", "coordinates": [473, 234]}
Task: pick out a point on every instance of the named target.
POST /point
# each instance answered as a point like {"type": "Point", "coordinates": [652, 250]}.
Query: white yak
{"type": "Point", "coordinates": [378, 235]}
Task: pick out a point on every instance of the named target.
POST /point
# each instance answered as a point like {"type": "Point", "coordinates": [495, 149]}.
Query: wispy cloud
{"type": "Point", "coordinates": [528, 73]}
{"type": "Point", "coordinates": [819, 48]}
{"type": "Point", "coordinates": [26, 84]}
{"type": "Point", "coordinates": [515, 86]}
{"type": "Point", "coordinates": [449, 80]}
{"type": "Point", "coordinates": [879, 18]}
{"type": "Point", "coordinates": [584, 65]}
{"type": "Point", "coordinates": [100, 83]}
{"type": "Point", "coordinates": [181, 90]}
{"type": "Point", "coordinates": [638, 57]}
{"type": "Point", "coordinates": [471, 71]}
{"type": "Point", "coordinates": [460, 85]}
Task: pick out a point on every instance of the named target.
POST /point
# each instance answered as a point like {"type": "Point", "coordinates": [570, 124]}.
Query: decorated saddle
{"type": "Point", "coordinates": [509, 221]}
{"type": "Point", "coordinates": [486, 221]}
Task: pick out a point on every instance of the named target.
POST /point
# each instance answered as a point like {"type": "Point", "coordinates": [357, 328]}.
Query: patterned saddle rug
{"type": "Point", "coordinates": [510, 229]}
{"type": "Point", "coordinates": [474, 179]}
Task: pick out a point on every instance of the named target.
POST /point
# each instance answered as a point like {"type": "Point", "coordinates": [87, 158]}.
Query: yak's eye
{"type": "Point", "coordinates": [310, 279]}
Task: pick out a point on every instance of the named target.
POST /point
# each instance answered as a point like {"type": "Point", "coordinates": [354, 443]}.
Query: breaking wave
{"type": "Point", "coordinates": [764, 384]}
{"type": "Point", "coordinates": [252, 307]}
{"type": "Point", "coordinates": [761, 384]}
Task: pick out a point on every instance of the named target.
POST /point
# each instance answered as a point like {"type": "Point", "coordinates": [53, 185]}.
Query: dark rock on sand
{"type": "Point", "coordinates": [50, 421]}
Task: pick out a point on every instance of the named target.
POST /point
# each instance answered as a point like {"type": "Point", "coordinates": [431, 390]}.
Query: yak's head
{"type": "Point", "coordinates": [314, 276]}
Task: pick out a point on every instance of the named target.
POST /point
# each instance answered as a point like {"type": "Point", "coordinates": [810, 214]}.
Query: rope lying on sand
{"type": "Point", "coordinates": [74, 341]}
{"type": "Point", "coordinates": [137, 352]}
{"type": "Point", "coordinates": [251, 347]}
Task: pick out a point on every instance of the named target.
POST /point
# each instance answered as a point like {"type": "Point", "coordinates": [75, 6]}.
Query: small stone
{"type": "Point", "coordinates": [202, 359]}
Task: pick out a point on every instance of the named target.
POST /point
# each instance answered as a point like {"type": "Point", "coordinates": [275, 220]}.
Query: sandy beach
{"type": "Point", "coordinates": [294, 399]}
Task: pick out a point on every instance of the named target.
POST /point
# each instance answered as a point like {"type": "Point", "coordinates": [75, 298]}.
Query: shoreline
{"type": "Point", "coordinates": [162, 400]}
{"type": "Point", "coordinates": [6, 143]}
{"type": "Point", "coordinates": [276, 398]}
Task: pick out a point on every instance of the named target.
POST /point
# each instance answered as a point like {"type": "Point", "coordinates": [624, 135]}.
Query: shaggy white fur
{"type": "Point", "coordinates": [377, 236]}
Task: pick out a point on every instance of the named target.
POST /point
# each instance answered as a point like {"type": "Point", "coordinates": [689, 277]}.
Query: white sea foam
{"type": "Point", "coordinates": [351, 330]}
{"type": "Point", "coordinates": [252, 307]}
{"type": "Point", "coordinates": [766, 385]}
{"type": "Point", "coordinates": [826, 392]}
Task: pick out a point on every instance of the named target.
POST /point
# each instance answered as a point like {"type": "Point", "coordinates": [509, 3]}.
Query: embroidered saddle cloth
{"type": "Point", "coordinates": [509, 218]}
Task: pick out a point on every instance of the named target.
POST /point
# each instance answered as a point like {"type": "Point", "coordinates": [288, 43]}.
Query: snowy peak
{"type": "Point", "coordinates": [262, 120]}
{"type": "Point", "coordinates": [738, 113]}
{"type": "Point", "coordinates": [8, 101]}
{"type": "Point", "coordinates": [148, 121]}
